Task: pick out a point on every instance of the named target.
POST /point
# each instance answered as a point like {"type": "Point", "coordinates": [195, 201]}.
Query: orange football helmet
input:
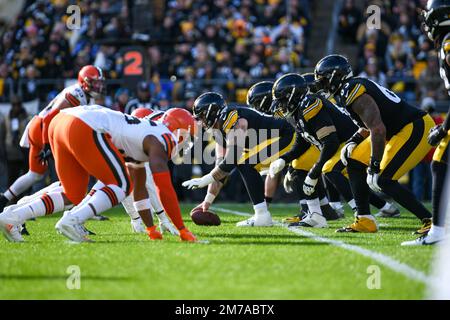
{"type": "Point", "coordinates": [141, 112]}
{"type": "Point", "coordinates": [92, 81]}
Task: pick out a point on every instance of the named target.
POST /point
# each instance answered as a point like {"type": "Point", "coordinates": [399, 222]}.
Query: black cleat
{"type": "Point", "coordinates": [329, 213]}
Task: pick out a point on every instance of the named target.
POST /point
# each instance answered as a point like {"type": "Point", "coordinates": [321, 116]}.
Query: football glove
{"type": "Point", "coordinates": [373, 174]}
{"type": "Point", "coordinates": [45, 154]}
{"type": "Point", "coordinates": [199, 182]}
{"type": "Point", "coordinates": [351, 144]}
{"type": "Point", "coordinates": [276, 167]}
{"type": "Point", "coordinates": [309, 185]}
{"type": "Point", "coordinates": [436, 134]}
{"type": "Point", "coordinates": [288, 183]}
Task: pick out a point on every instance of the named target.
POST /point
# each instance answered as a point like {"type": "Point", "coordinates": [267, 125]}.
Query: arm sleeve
{"type": "Point", "coordinates": [300, 147]}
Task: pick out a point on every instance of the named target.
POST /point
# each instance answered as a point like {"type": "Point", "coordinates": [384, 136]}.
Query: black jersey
{"type": "Point", "coordinates": [395, 112]}
{"type": "Point", "coordinates": [264, 126]}
{"type": "Point", "coordinates": [444, 67]}
{"type": "Point", "coordinates": [316, 114]}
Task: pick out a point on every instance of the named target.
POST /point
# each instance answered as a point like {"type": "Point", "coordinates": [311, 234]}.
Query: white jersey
{"type": "Point", "coordinates": [127, 132]}
{"type": "Point", "coordinates": [73, 94]}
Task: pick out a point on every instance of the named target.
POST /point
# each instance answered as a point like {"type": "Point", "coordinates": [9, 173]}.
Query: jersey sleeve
{"type": "Point", "coordinates": [351, 91]}
{"type": "Point", "coordinates": [318, 119]}
{"type": "Point", "coordinates": [229, 120]}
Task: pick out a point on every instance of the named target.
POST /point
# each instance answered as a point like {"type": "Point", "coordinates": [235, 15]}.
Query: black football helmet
{"type": "Point", "coordinates": [259, 96]}
{"type": "Point", "coordinates": [332, 71]}
{"type": "Point", "coordinates": [207, 108]}
{"type": "Point", "coordinates": [436, 18]}
{"type": "Point", "coordinates": [314, 86]}
{"type": "Point", "coordinates": [287, 93]}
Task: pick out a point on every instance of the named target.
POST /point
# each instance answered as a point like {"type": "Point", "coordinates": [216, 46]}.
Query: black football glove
{"type": "Point", "coordinates": [45, 154]}
{"type": "Point", "coordinates": [436, 134]}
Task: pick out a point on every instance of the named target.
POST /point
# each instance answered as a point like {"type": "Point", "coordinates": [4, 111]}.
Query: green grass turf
{"type": "Point", "coordinates": [238, 263]}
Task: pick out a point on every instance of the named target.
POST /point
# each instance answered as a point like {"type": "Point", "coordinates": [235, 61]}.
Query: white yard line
{"type": "Point", "coordinates": [385, 260]}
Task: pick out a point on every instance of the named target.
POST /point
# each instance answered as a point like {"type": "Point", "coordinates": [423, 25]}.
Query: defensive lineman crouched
{"type": "Point", "coordinates": [86, 141]}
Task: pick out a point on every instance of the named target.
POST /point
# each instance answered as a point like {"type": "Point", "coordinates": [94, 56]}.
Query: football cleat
{"type": "Point", "coordinates": [363, 224]}
{"type": "Point", "coordinates": [391, 212]}
{"type": "Point", "coordinates": [165, 225]}
{"type": "Point", "coordinates": [154, 234]}
{"type": "Point", "coordinates": [11, 232]}
{"type": "Point", "coordinates": [24, 231]}
{"type": "Point", "coordinates": [257, 221]}
{"type": "Point", "coordinates": [312, 220]}
{"type": "Point", "coordinates": [426, 226]}
{"type": "Point", "coordinates": [186, 235]}
{"type": "Point", "coordinates": [296, 218]}
{"type": "Point", "coordinates": [87, 232]}
{"type": "Point", "coordinates": [137, 226]}
{"type": "Point", "coordinates": [69, 227]}
{"type": "Point", "coordinates": [329, 213]}
{"type": "Point", "coordinates": [424, 240]}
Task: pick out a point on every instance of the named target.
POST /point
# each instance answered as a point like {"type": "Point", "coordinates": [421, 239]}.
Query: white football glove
{"type": "Point", "coordinates": [372, 181]}
{"type": "Point", "coordinates": [287, 183]}
{"type": "Point", "coordinates": [346, 152]}
{"type": "Point", "coordinates": [309, 185]}
{"type": "Point", "coordinates": [166, 225]}
{"type": "Point", "coordinates": [199, 182]}
{"type": "Point", "coordinates": [276, 167]}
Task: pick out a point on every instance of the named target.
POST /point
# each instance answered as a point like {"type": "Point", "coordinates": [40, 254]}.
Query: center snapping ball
{"type": "Point", "coordinates": [204, 218]}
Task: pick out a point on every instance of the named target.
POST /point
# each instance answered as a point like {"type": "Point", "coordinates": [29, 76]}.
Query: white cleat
{"type": "Point", "coordinates": [10, 226]}
{"type": "Point", "coordinates": [256, 221]}
{"type": "Point", "coordinates": [137, 226]}
{"type": "Point", "coordinates": [165, 225]}
{"type": "Point", "coordinates": [391, 211]}
{"type": "Point", "coordinates": [69, 227]}
{"type": "Point", "coordinates": [425, 240]}
{"type": "Point", "coordinates": [313, 220]}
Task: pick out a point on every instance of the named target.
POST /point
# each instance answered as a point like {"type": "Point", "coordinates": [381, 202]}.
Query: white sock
{"type": "Point", "coordinates": [336, 205]}
{"type": "Point", "coordinates": [436, 232]}
{"type": "Point", "coordinates": [352, 204]}
{"type": "Point", "coordinates": [314, 206]}
{"type": "Point", "coordinates": [47, 204]}
{"type": "Point", "coordinates": [324, 201]}
{"type": "Point", "coordinates": [104, 199]}
{"type": "Point", "coordinates": [127, 204]}
{"type": "Point", "coordinates": [151, 188]}
{"type": "Point", "coordinates": [22, 184]}
{"type": "Point", "coordinates": [54, 187]}
{"type": "Point", "coordinates": [261, 209]}
{"type": "Point", "coordinates": [388, 207]}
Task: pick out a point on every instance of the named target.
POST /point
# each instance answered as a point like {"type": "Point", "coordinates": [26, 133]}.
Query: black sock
{"type": "Point", "coordinates": [321, 190]}
{"type": "Point", "coordinates": [404, 197]}
{"type": "Point", "coordinates": [268, 199]}
{"type": "Point", "coordinates": [439, 171]}
{"type": "Point", "coordinates": [340, 183]}
{"type": "Point", "coordinates": [376, 201]}
{"type": "Point", "coordinates": [360, 189]}
{"type": "Point", "coordinates": [332, 193]}
{"type": "Point", "coordinates": [298, 177]}
{"type": "Point", "coordinates": [253, 183]}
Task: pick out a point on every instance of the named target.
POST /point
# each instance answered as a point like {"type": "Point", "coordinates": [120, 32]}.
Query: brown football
{"type": "Point", "coordinates": [204, 218]}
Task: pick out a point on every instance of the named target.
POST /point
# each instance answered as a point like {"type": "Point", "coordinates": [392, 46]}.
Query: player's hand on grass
{"type": "Point", "coordinates": [276, 167]}
{"type": "Point", "coordinates": [45, 154]}
{"type": "Point", "coordinates": [436, 134]}
{"type": "Point", "coordinates": [198, 183]}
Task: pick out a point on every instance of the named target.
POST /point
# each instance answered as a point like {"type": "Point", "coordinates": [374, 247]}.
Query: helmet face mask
{"type": "Point", "coordinates": [332, 71]}
{"type": "Point", "coordinates": [92, 81]}
{"type": "Point", "coordinates": [288, 92]}
{"type": "Point", "coordinates": [436, 19]}
{"type": "Point", "coordinates": [259, 96]}
{"type": "Point", "coordinates": [207, 108]}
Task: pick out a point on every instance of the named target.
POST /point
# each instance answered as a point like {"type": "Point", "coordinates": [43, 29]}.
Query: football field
{"type": "Point", "coordinates": [230, 262]}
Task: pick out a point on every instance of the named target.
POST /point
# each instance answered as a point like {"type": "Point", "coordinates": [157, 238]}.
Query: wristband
{"type": "Point", "coordinates": [210, 197]}
{"type": "Point", "coordinates": [374, 165]}
{"type": "Point", "coordinates": [142, 205]}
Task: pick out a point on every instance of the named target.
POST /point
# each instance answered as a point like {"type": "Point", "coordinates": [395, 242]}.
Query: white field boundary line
{"type": "Point", "coordinates": [387, 261]}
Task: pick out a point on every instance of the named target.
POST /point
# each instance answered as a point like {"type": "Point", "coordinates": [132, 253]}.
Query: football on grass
{"type": "Point", "coordinates": [204, 218]}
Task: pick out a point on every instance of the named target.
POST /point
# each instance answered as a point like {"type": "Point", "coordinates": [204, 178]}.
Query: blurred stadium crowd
{"type": "Point", "coordinates": [219, 45]}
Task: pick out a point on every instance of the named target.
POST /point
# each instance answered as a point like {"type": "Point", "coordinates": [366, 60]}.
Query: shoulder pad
{"type": "Point", "coordinates": [352, 90]}
{"type": "Point", "coordinates": [78, 94]}
{"type": "Point", "coordinates": [446, 44]}
{"type": "Point", "coordinates": [311, 106]}
{"type": "Point", "coordinates": [228, 119]}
